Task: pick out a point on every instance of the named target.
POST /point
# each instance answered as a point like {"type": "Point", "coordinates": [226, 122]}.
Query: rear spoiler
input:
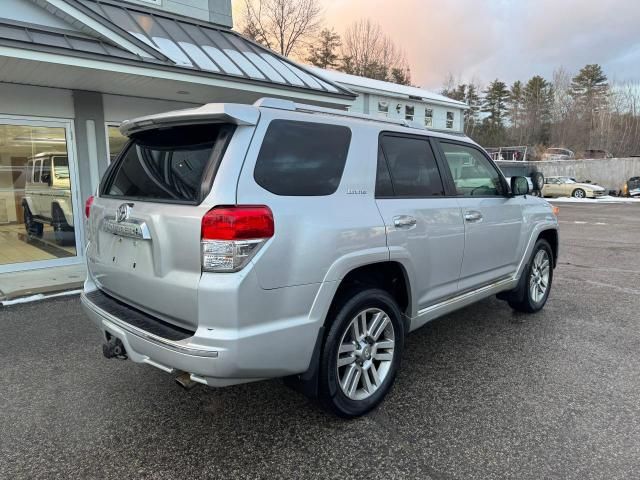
{"type": "Point", "coordinates": [211, 113]}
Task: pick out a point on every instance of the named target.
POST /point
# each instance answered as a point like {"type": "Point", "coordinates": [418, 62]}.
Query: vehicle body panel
{"type": "Point", "coordinates": [264, 320]}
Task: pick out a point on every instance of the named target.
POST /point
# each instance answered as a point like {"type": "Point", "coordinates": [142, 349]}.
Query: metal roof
{"type": "Point", "coordinates": [54, 38]}
{"type": "Point", "coordinates": [392, 89]}
{"type": "Point", "coordinates": [205, 47]}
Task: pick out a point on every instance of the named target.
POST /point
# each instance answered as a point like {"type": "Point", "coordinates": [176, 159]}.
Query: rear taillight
{"type": "Point", "coordinates": [87, 206]}
{"type": "Point", "coordinates": [230, 236]}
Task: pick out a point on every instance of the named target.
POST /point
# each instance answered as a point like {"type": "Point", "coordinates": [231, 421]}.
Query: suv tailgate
{"type": "Point", "coordinates": [144, 226]}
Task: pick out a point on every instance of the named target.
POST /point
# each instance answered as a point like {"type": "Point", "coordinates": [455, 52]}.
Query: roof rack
{"type": "Point", "coordinates": [280, 104]}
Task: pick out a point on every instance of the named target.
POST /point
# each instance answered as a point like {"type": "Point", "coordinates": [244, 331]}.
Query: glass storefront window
{"type": "Point", "coordinates": [36, 204]}
{"type": "Point", "coordinates": [116, 141]}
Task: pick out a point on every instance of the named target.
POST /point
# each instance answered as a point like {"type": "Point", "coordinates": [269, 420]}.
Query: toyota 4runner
{"type": "Point", "coordinates": [233, 243]}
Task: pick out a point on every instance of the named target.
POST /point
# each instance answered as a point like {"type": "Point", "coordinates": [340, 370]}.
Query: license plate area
{"type": "Point", "coordinates": [127, 253]}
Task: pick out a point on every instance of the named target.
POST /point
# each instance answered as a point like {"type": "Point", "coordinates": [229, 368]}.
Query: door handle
{"type": "Point", "coordinates": [404, 221]}
{"type": "Point", "coordinates": [472, 216]}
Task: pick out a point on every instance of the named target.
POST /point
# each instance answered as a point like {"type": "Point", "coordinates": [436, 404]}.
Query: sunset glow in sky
{"type": "Point", "coordinates": [508, 39]}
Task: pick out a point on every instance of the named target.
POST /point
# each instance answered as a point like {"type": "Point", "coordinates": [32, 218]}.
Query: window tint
{"type": "Point", "coordinates": [167, 164]}
{"type": "Point", "coordinates": [383, 179]}
{"type": "Point", "coordinates": [472, 172]}
{"type": "Point", "coordinates": [302, 158]}
{"type": "Point", "coordinates": [413, 168]}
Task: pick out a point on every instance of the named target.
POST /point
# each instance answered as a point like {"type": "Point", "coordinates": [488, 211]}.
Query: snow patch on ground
{"type": "Point", "coordinates": [603, 199]}
{"type": "Point", "coordinates": [38, 297]}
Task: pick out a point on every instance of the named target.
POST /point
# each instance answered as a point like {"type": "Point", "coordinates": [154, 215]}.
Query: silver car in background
{"type": "Point", "coordinates": [234, 243]}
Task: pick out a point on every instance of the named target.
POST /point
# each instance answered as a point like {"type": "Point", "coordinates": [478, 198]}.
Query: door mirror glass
{"type": "Point", "coordinates": [519, 186]}
{"type": "Point", "coordinates": [46, 178]}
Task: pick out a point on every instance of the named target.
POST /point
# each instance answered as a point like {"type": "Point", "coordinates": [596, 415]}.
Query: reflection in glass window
{"type": "Point", "coordinates": [383, 108]}
{"type": "Point", "coordinates": [116, 142]}
{"type": "Point", "coordinates": [283, 69]}
{"type": "Point", "coordinates": [302, 158]}
{"type": "Point", "coordinates": [199, 57]}
{"type": "Point", "coordinates": [36, 204]}
{"type": "Point", "coordinates": [473, 174]}
{"type": "Point", "coordinates": [450, 117]}
{"type": "Point", "coordinates": [428, 117]}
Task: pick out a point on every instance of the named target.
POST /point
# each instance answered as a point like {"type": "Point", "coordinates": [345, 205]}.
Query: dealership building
{"type": "Point", "coordinates": [72, 70]}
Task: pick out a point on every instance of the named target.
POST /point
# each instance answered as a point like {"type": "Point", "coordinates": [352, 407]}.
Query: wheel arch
{"type": "Point", "coordinates": [390, 276]}
{"type": "Point", "coordinates": [552, 237]}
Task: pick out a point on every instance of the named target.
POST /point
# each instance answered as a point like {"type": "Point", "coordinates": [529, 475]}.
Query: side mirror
{"type": "Point", "coordinates": [46, 178]}
{"type": "Point", "coordinates": [519, 186]}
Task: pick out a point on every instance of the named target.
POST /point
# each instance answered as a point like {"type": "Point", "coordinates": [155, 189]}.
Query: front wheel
{"type": "Point", "coordinates": [579, 193]}
{"type": "Point", "coordinates": [361, 353]}
{"type": "Point", "coordinates": [533, 290]}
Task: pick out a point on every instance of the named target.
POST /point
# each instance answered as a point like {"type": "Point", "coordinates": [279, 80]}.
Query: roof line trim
{"type": "Point", "coordinates": [148, 69]}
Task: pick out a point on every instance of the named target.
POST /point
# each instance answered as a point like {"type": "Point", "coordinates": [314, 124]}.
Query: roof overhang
{"type": "Point", "coordinates": [141, 79]}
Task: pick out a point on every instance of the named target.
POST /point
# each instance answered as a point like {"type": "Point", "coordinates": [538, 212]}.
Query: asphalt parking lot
{"type": "Point", "coordinates": [483, 393]}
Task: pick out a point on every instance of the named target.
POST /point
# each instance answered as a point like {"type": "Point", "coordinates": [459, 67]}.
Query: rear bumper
{"type": "Point", "coordinates": [204, 363]}
{"type": "Point", "coordinates": [243, 333]}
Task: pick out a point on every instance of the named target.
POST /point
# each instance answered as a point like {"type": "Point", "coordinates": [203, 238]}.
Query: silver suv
{"type": "Point", "coordinates": [235, 243]}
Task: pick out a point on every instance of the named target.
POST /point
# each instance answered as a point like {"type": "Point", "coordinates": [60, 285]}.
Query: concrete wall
{"type": "Point", "coordinates": [608, 172]}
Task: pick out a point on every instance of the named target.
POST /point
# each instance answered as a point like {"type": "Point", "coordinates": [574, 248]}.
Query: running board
{"type": "Point", "coordinates": [447, 306]}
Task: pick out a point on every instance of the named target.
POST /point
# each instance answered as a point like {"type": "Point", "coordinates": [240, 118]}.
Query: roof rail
{"type": "Point", "coordinates": [280, 104]}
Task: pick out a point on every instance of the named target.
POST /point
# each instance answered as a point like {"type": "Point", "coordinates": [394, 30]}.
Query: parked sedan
{"type": "Point", "coordinates": [569, 187]}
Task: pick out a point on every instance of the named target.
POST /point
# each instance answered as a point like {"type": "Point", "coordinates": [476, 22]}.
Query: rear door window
{"type": "Point", "coordinates": [302, 158]}
{"type": "Point", "coordinates": [412, 167]}
{"type": "Point", "coordinates": [169, 164]}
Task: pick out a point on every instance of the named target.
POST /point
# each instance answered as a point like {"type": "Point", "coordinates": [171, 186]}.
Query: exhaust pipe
{"type": "Point", "coordinates": [114, 349]}
{"type": "Point", "coordinates": [184, 380]}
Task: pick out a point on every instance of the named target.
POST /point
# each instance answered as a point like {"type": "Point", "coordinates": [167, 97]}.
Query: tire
{"type": "Point", "coordinates": [62, 232]}
{"type": "Point", "coordinates": [34, 229]}
{"type": "Point", "coordinates": [528, 297]}
{"type": "Point", "coordinates": [579, 193]}
{"type": "Point", "coordinates": [368, 365]}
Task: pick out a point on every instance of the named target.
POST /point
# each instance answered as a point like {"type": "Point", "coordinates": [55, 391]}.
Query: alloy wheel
{"type": "Point", "coordinates": [365, 353]}
{"type": "Point", "coordinates": [539, 277]}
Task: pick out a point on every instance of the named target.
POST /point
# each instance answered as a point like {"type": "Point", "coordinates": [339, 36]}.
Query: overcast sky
{"type": "Point", "coordinates": [507, 39]}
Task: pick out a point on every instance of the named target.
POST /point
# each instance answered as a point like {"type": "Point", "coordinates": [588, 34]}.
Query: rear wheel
{"type": "Point", "coordinates": [579, 193]}
{"type": "Point", "coordinates": [361, 353]}
{"type": "Point", "coordinates": [533, 290]}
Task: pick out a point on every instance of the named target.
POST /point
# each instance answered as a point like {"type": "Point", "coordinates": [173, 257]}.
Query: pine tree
{"type": "Point", "coordinates": [496, 96]}
{"type": "Point", "coordinates": [472, 99]}
{"type": "Point", "coordinates": [538, 103]}
{"type": "Point", "coordinates": [323, 53]}
{"type": "Point", "coordinates": [516, 110]}
{"type": "Point", "coordinates": [590, 92]}
{"type": "Point", "coordinates": [590, 88]}
{"type": "Point", "coordinates": [401, 76]}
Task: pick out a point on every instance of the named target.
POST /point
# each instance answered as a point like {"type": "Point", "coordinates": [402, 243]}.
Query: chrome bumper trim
{"type": "Point", "coordinates": [170, 344]}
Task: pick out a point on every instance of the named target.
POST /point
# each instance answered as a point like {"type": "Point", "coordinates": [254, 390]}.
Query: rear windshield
{"type": "Point", "coordinates": [169, 165]}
